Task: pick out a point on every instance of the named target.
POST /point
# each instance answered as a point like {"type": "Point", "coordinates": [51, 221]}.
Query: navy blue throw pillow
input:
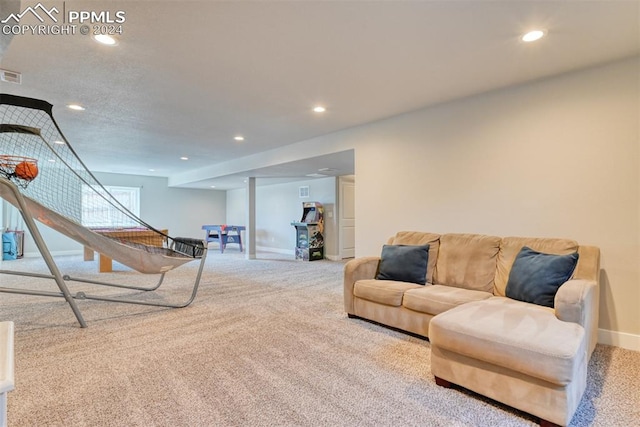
{"type": "Point", "coordinates": [535, 277]}
{"type": "Point", "coordinates": [404, 263]}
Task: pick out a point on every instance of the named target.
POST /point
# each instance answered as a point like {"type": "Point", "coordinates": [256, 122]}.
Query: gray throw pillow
{"type": "Point", "coordinates": [535, 277]}
{"type": "Point", "coordinates": [404, 263]}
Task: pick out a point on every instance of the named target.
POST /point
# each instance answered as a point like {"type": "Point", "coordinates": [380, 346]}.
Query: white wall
{"type": "Point", "coordinates": [182, 211]}
{"type": "Point", "coordinates": [278, 205]}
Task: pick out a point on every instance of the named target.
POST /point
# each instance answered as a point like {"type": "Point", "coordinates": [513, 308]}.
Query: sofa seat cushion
{"type": "Point", "coordinates": [516, 335]}
{"type": "Point", "coordinates": [388, 292]}
{"type": "Point", "coordinates": [435, 299]}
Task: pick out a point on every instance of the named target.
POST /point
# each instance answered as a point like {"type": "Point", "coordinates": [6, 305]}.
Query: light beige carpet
{"type": "Point", "coordinates": [266, 343]}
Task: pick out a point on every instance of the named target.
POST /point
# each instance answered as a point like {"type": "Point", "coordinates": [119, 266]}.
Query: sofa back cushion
{"type": "Point", "coordinates": [467, 261]}
{"type": "Point", "coordinates": [511, 246]}
{"type": "Point", "coordinates": [420, 238]}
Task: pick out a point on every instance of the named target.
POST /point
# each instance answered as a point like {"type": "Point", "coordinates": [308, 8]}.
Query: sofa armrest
{"type": "Point", "coordinates": [578, 301]}
{"type": "Point", "coordinates": [354, 270]}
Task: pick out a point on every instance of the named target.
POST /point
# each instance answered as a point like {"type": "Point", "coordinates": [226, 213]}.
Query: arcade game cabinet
{"type": "Point", "coordinates": [309, 232]}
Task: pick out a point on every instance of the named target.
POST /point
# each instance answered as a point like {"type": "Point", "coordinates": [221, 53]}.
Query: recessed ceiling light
{"type": "Point", "coordinates": [152, 170]}
{"type": "Point", "coordinates": [105, 39]}
{"type": "Point", "coordinates": [76, 107]}
{"type": "Point", "coordinates": [239, 138]}
{"type": "Point", "coordinates": [184, 158]}
{"type": "Point", "coordinates": [319, 109]}
{"type": "Point", "coordinates": [534, 35]}
{"type": "Point", "coordinates": [59, 142]}
{"type": "Point", "coordinates": [213, 186]}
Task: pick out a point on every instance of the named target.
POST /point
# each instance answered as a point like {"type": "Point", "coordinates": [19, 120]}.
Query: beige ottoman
{"type": "Point", "coordinates": [517, 353]}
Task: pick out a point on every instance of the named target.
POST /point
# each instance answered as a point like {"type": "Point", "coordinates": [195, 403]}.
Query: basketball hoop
{"type": "Point", "coordinates": [18, 169]}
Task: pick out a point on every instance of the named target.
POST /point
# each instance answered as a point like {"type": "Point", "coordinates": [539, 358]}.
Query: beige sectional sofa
{"type": "Point", "coordinates": [528, 356]}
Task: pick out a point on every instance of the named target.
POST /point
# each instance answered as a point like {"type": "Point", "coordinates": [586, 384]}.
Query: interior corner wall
{"type": "Point", "coordinates": [277, 205]}
{"type": "Point", "coordinates": [182, 211]}
{"type": "Point", "coordinates": [558, 157]}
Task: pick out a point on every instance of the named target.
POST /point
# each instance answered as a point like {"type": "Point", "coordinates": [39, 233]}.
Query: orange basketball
{"type": "Point", "coordinates": [26, 170]}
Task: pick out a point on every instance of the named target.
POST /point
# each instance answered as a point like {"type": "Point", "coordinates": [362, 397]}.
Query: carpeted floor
{"type": "Point", "coordinates": [266, 343]}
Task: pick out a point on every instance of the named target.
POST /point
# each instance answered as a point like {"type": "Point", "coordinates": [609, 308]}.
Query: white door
{"type": "Point", "coordinates": [347, 218]}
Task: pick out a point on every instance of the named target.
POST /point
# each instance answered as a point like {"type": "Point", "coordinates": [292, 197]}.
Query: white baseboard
{"type": "Point", "coordinates": [292, 252]}
{"type": "Point", "coordinates": [276, 250]}
{"type": "Point", "coordinates": [619, 339]}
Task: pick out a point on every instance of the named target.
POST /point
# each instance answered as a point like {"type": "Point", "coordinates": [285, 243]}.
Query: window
{"type": "Point", "coordinates": [98, 212]}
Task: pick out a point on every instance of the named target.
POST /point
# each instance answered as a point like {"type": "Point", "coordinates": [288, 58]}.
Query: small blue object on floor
{"type": "Point", "coordinates": [9, 246]}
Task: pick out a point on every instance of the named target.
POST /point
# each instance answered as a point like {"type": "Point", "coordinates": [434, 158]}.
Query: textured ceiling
{"type": "Point", "coordinates": [187, 76]}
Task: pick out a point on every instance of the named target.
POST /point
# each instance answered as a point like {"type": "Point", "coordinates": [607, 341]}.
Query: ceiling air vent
{"type": "Point", "coordinates": [10, 76]}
